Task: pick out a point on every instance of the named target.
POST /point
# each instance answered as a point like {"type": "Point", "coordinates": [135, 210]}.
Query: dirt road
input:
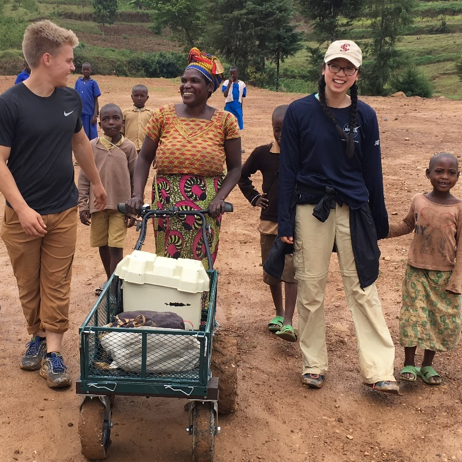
{"type": "Point", "coordinates": [277, 419]}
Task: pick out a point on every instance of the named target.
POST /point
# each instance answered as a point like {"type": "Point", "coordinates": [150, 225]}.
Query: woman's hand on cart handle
{"type": "Point", "coordinates": [219, 206]}
{"type": "Point", "coordinates": [132, 206]}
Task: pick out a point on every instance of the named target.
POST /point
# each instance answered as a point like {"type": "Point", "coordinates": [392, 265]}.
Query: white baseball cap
{"type": "Point", "coordinates": [344, 49]}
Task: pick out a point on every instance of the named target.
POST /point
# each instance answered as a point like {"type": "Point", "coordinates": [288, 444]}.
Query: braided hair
{"type": "Point", "coordinates": [348, 138]}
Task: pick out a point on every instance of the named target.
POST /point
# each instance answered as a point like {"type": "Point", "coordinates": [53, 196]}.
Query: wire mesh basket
{"type": "Point", "coordinates": [144, 360]}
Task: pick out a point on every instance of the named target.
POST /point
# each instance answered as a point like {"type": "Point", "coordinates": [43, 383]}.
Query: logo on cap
{"type": "Point", "coordinates": [345, 47]}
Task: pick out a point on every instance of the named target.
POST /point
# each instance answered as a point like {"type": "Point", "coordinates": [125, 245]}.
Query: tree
{"type": "Point", "coordinates": [282, 40]}
{"type": "Point", "coordinates": [185, 18]}
{"type": "Point", "coordinates": [232, 32]}
{"type": "Point", "coordinates": [388, 19]}
{"type": "Point", "coordinates": [327, 16]}
{"type": "Point", "coordinates": [105, 11]}
{"type": "Point", "coordinates": [248, 33]}
{"type": "Point", "coordinates": [329, 19]}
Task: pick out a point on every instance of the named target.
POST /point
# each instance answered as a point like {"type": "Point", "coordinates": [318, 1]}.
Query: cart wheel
{"type": "Point", "coordinates": [203, 432]}
{"type": "Point", "coordinates": [94, 429]}
{"type": "Point", "coordinates": [224, 366]}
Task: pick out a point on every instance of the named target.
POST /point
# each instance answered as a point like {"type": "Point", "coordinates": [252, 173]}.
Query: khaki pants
{"type": "Point", "coordinates": [314, 241]}
{"type": "Point", "coordinates": [43, 268]}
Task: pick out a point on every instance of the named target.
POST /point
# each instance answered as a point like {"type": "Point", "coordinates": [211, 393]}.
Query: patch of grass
{"type": "Point", "coordinates": [67, 2]}
{"type": "Point", "coordinates": [433, 9]}
{"type": "Point", "coordinates": [295, 86]}
{"type": "Point", "coordinates": [445, 80]}
{"type": "Point", "coordinates": [431, 44]}
{"type": "Point", "coordinates": [80, 26]}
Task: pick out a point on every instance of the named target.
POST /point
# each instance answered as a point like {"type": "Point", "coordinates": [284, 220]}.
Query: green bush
{"type": "Point", "coordinates": [126, 63]}
{"type": "Point", "coordinates": [412, 82]}
{"type": "Point", "coordinates": [11, 62]}
{"type": "Point", "coordinates": [263, 78]}
{"type": "Point", "coordinates": [168, 65]}
{"type": "Point", "coordinates": [11, 32]}
{"type": "Point", "coordinates": [296, 86]}
{"type": "Point", "coordinates": [459, 67]}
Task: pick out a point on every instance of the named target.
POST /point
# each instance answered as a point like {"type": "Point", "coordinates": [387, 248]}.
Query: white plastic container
{"type": "Point", "coordinates": [163, 284]}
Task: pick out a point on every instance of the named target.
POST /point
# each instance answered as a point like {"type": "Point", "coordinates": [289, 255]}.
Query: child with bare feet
{"type": "Point", "coordinates": [430, 315]}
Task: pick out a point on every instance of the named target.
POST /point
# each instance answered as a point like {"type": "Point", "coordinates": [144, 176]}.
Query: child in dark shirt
{"type": "Point", "coordinates": [266, 159]}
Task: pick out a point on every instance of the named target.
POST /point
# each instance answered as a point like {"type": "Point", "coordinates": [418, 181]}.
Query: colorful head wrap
{"type": "Point", "coordinates": [209, 66]}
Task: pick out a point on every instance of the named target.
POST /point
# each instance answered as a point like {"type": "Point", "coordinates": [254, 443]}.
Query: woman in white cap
{"type": "Point", "coordinates": [331, 197]}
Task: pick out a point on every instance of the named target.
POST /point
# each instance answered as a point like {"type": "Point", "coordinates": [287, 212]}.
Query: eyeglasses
{"type": "Point", "coordinates": [348, 70]}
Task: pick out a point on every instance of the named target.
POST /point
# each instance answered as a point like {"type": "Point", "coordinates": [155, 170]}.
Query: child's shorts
{"type": "Point", "coordinates": [288, 275]}
{"type": "Point", "coordinates": [108, 228]}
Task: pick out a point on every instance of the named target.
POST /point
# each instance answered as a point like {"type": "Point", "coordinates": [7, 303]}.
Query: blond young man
{"type": "Point", "coordinates": [40, 127]}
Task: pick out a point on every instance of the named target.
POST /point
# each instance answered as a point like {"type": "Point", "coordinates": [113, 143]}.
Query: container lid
{"type": "Point", "coordinates": [182, 274]}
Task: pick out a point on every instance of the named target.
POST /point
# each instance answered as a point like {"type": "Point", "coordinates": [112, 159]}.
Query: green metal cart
{"type": "Point", "coordinates": [99, 383]}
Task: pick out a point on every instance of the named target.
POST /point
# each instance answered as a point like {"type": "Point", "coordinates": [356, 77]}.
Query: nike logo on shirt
{"type": "Point", "coordinates": [67, 113]}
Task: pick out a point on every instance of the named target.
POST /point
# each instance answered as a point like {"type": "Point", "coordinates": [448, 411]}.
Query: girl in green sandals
{"type": "Point", "coordinates": [430, 316]}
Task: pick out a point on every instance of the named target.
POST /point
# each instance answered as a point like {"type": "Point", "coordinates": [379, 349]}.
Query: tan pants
{"type": "Point", "coordinates": [313, 247]}
{"type": "Point", "coordinates": [43, 268]}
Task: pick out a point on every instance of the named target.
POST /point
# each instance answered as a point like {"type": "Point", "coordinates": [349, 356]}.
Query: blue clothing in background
{"type": "Point", "coordinates": [88, 91]}
{"type": "Point", "coordinates": [90, 129]}
{"type": "Point", "coordinates": [313, 156]}
{"type": "Point", "coordinates": [239, 91]}
{"type": "Point", "coordinates": [21, 77]}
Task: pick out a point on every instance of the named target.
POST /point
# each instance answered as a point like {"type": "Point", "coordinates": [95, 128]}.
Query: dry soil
{"type": "Point", "coordinates": [277, 418]}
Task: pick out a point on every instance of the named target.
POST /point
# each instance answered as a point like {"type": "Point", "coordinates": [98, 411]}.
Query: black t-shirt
{"type": "Point", "coordinates": [39, 132]}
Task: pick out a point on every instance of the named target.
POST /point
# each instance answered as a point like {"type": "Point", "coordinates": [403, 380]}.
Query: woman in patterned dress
{"type": "Point", "coordinates": [190, 142]}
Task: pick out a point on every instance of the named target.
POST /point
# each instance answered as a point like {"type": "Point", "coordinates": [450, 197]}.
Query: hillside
{"type": "Point", "coordinates": [433, 42]}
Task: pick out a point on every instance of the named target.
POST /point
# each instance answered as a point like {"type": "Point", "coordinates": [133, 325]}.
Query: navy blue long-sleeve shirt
{"type": "Point", "coordinates": [313, 155]}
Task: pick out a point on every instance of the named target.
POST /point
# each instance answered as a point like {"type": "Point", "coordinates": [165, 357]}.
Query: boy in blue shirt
{"type": "Point", "coordinates": [24, 75]}
{"type": "Point", "coordinates": [89, 92]}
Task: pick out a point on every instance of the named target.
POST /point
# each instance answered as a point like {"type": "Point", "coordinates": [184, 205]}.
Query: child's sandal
{"type": "Point", "coordinates": [275, 324]}
{"type": "Point", "coordinates": [426, 373]}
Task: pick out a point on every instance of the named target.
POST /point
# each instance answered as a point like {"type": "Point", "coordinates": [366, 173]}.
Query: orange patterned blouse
{"type": "Point", "coordinates": [194, 146]}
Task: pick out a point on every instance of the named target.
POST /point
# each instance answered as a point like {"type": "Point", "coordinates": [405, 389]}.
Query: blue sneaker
{"type": "Point", "coordinates": [35, 352]}
{"type": "Point", "coordinates": [54, 371]}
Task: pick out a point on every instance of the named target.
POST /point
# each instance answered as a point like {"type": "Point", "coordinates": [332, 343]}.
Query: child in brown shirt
{"type": "Point", "coordinates": [115, 158]}
{"type": "Point", "coordinates": [430, 315]}
{"type": "Point", "coordinates": [137, 116]}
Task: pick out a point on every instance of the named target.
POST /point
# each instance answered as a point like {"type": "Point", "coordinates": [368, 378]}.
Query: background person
{"type": "Point", "coordinates": [190, 142]}
{"type": "Point", "coordinates": [234, 90]}
{"type": "Point", "coordinates": [40, 126]}
{"type": "Point", "coordinates": [137, 116]}
{"type": "Point", "coordinates": [331, 193]}
{"type": "Point", "coordinates": [89, 91]}
{"type": "Point", "coordinates": [24, 75]}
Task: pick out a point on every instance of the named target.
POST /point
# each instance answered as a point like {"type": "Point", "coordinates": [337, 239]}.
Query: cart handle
{"type": "Point", "coordinates": [146, 213]}
{"type": "Point", "coordinates": [122, 208]}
